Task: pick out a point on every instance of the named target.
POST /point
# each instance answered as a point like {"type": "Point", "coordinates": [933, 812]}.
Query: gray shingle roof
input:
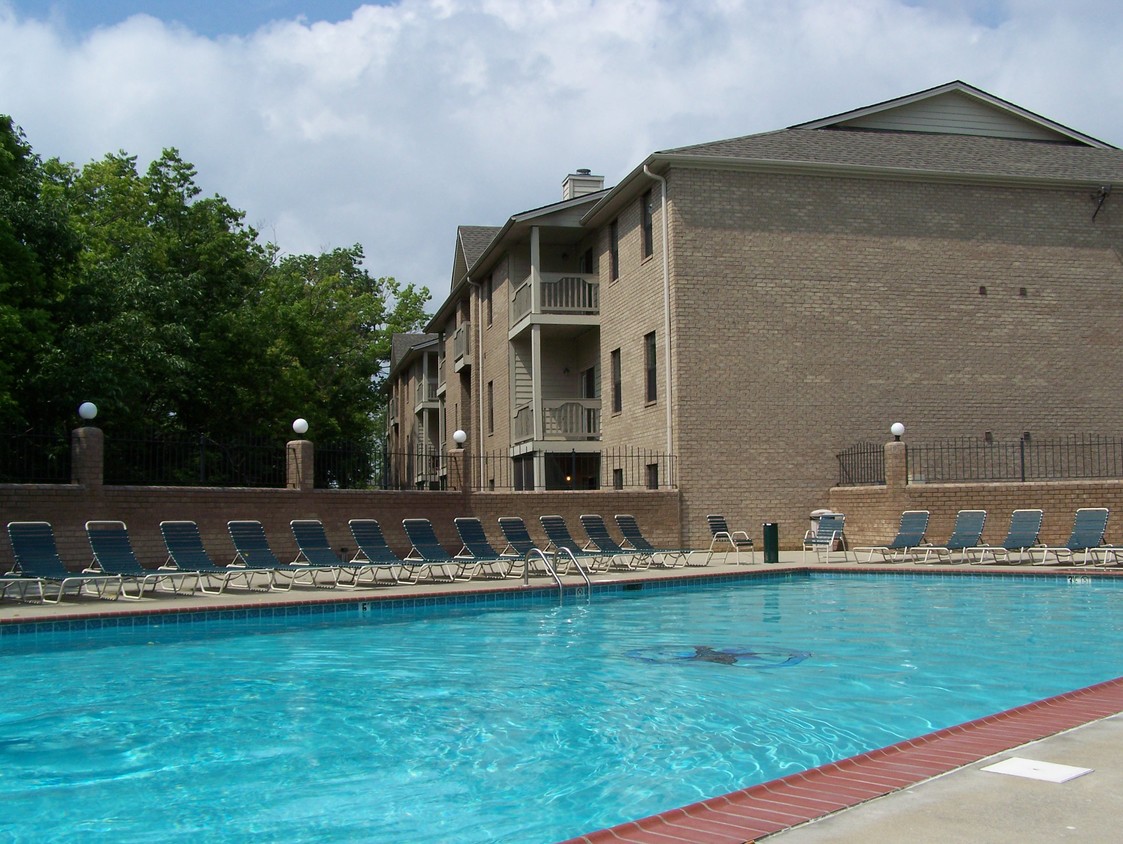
{"type": "Point", "coordinates": [400, 344]}
{"type": "Point", "coordinates": [959, 154]}
{"type": "Point", "coordinates": [474, 240]}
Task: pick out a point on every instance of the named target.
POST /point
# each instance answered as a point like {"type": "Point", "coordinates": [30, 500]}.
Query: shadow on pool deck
{"type": "Point", "coordinates": [928, 790]}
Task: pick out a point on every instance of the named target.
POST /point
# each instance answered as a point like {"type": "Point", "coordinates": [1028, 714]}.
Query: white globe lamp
{"type": "Point", "coordinates": [459, 437]}
{"type": "Point", "coordinates": [897, 430]}
{"type": "Point", "coordinates": [300, 426]}
{"type": "Point", "coordinates": [87, 410]}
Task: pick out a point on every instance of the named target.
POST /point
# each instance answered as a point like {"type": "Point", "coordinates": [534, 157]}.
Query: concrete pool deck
{"type": "Point", "coordinates": [929, 789]}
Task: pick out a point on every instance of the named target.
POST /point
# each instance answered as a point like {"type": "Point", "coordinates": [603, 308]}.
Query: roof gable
{"type": "Point", "coordinates": [956, 109]}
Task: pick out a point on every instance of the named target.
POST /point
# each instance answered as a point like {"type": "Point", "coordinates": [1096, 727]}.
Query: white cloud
{"type": "Point", "coordinates": [394, 126]}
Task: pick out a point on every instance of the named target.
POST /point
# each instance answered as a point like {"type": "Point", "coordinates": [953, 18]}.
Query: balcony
{"type": "Point", "coordinates": [462, 346]}
{"type": "Point", "coordinates": [576, 294]}
{"type": "Point", "coordinates": [564, 420]}
{"type": "Point", "coordinates": [427, 395]}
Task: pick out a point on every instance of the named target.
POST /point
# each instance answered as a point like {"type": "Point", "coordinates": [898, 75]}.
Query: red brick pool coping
{"type": "Point", "coordinates": [745, 815]}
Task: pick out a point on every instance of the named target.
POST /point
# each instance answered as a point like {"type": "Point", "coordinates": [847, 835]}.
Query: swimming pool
{"type": "Point", "coordinates": [519, 725]}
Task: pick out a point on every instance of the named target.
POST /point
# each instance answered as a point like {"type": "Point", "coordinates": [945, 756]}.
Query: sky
{"type": "Point", "coordinates": [336, 122]}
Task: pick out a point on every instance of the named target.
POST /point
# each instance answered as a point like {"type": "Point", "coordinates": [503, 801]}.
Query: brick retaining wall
{"type": "Point", "coordinates": [873, 512]}
{"type": "Point", "coordinates": [69, 506]}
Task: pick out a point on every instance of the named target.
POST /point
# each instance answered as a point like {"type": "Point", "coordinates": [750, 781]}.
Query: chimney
{"type": "Point", "coordinates": [580, 183]}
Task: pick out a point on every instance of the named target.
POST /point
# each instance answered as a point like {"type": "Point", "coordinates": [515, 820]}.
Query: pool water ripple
{"type": "Point", "coordinates": [516, 725]}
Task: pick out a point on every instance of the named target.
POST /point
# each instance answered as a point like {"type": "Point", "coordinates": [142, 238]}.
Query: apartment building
{"type": "Point", "coordinates": [732, 315]}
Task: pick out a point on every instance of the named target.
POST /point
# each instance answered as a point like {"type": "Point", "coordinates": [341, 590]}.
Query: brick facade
{"type": "Point", "coordinates": [821, 321]}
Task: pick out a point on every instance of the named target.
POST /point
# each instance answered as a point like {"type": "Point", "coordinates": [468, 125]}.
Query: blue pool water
{"type": "Point", "coordinates": [515, 725]}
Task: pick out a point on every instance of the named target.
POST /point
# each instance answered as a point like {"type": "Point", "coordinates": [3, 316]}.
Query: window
{"type": "Point", "coordinates": [491, 407]}
{"type": "Point", "coordinates": [617, 398]}
{"type": "Point", "coordinates": [646, 214]}
{"type": "Point", "coordinates": [650, 387]}
{"type": "Point", "coordinates": [653, 476]}
{"type": "Point", "coordinates": [617, 478]}
{"type": "Point", "coordinates": [486, 293]}
{"type": "Point", "coordinates": [614, 250]}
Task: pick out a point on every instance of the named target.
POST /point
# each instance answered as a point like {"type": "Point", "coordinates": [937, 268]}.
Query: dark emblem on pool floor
{"type": "Point", "coordinates": [742, 657]}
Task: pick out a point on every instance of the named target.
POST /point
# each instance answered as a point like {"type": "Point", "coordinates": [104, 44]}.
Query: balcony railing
{"type": "Point", "coordinates": [426, 391]}
{"type": "Point", "coordinates": [563, 419]}
{"type": "Point", "coordinates": [559, 293]}
{"type": "Point", "coordinates": [523, 424]}
{"type": "Point", "coordinates": [462, 346]}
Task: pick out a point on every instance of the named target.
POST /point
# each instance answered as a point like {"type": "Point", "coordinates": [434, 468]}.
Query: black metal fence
{"type": "Point", "coordinates": [970, 459]}
{"type": "Point", "coordinates": [350, 465]}
{"type": "Point", "coordinates": [1025, 459]}
{"type": "Point", "coordinates": [163, 459]}
{"type": "Point", "coordinates": [861, 464]}
{"type": "Point", "coordinates": [35, 457]}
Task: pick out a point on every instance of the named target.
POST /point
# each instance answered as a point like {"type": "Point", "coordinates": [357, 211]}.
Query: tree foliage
{"type": "Point", "coordinates": [37, 250]}
{"type": "Point", "coordinates": [129, 289]}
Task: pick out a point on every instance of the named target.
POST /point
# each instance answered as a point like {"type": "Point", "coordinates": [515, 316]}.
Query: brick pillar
{"type": "Point", "coordinates": [457, 470]}
{"type": "Point", "coordinates": [896, 466]}
{"type": "Point", "coordinates": [87, 457]}
{"type": "Point", "coordinates": [300, 469]}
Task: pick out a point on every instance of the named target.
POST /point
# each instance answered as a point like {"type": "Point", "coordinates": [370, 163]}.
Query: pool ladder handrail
{"type": "Point", "coordinates": [552, 569]}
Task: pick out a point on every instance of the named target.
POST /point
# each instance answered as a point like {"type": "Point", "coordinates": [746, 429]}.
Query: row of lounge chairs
{"type": "Point", "coordinates": [116, 572]}
{"type": "Point", "coordinates": [1085, 545]}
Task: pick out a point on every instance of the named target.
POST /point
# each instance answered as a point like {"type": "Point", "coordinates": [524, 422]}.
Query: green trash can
{"type": "Point", "coordinates": [771, 542]}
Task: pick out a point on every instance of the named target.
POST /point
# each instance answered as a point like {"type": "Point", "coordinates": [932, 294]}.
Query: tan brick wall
{"type": "Point", "coordinates": [632, 307]}
{"type": "Point", "coordinates": [495, 365]}
{"type": "Point", "coordinates": [69, 507]}
{"type": "Point", "coordinates": [873, 514]}
{"type": "Point", "coordinates": [810, 313]}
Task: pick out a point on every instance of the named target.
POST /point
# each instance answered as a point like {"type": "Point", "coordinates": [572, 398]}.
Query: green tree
{"type": "Point", "coordinates": [328, 324]}
{"type": "Point", "coordinates": [131, 290]}
{"type": "Point", "coordinates": [159, 275]}
{"type": "Point", "coordinates": [37, 250]}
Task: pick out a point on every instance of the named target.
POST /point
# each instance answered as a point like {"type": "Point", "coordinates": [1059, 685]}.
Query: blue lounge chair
{"type": "Point", "coordinates": [909, 538]}
{"type": "Point", "coordinates": [1021, 538]}
{"type": "Point", "coordinates": [113, 554]}
{"type": "Point", "coordinates": [38, 566]}
{"type": "Point", "coordinates": [314, 549]}
{"type": "Point", "coordinates": [477, 548]}
{"type": "Point", "coordinates": [375, 555]}
{"type": "Point", "coordinates": [1088, 529]}
{"type": "Point", "coordinates": [720, 534]}
{"type": "Point", "coordinates": [966, 533]}
{"type": "Point", "coordinates": [186, 553]}
{"type": "Point", "coordinates": [427, 552]}
{"type": "Point", "coordinates": [252, 551]}
{"type": "Point", "coordinates": [824, 538]}
{"type": "Point", "coordinates": [521, 544]}
{"type": "Point", "coordinates": [517, 536]}
{"type": "Point", "coordinates": [667, 557]}
{"type": "Point", "coordinates": [565, 549]}
{"type": "Point", "coordinates": [614, 552]}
